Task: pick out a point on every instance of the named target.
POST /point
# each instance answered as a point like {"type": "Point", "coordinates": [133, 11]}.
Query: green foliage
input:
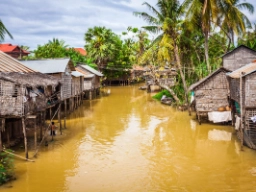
{"type": "Point", "coordinates": [6, 167]}
{"type": "Point", "coordinates": [4, 31]}
{"type": "Point", "coordinates": [57, 49]}
{"type": "Point", "coordinates": [159, 95]}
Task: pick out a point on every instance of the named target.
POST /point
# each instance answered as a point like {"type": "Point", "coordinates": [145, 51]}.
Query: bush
{"type": "Point", "coordinates": [6, 167]}
{"type": "Point", "coordinates": [159, 95]}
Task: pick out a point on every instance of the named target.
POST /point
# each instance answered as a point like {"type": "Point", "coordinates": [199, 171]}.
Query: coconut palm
{"type": "Point", "coordinates": [4, 31]}
{"type": "Point", "coordinates": [233, 21]}
{"type": "Point", "coordinates": [166, 21]}
{"type": "Point", "coordinates": [202, 13]}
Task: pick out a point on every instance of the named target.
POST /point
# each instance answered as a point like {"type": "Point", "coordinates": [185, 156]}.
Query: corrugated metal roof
{"type": "Point", "coordinates": [246, 70]}
{"type": "Point", "coordinates": [85, 74]}
{"type": "Point", "coordinates": [10, 64]}
{"type": "Point", "coordinates": [49, 65]}
{"type": "Point", "coordinates": [90, 69]}
{"type": "Point", "coordinates": [193, 86]}
{"type": "Point", "coordinates": [76, 74]}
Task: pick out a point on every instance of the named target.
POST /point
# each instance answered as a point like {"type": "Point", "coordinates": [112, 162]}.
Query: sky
{"type": "Point", "coordinates": [35, 22]}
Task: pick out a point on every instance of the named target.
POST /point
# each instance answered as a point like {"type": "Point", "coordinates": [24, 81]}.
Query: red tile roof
{"type": "Point", "coordinates": [7, 48]}
{"type": "Point", "coordinates": [81, 51]}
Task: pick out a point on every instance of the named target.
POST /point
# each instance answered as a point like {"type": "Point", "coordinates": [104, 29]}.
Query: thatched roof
{"type": "Point", "coordinates": [193, 86]}
{"type": "Point", "coordinates": [30, 79]}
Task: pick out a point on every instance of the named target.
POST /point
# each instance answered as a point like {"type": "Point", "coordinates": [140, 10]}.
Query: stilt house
{"type": "Point", "coordinates": [77, 83]}
{"type": "Point", "coordinates": [238, 57]}
{"type": "Point", "coordinates": [92, 80]}
{"type": "Point", "coordinates": [60, 68]}
{"type": "Point", "coordinates": [211, 93]}
{"type": "Point", "coordinates": [243, 97]}
{"type": "Point", "coordinates": [23, 92]}
{"type": "Point", "coordinates": [160, 77]}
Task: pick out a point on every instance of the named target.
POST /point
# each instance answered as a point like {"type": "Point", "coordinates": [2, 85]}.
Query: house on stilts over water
{"type": "Point", "coordinates": [24, 93]}
{"type": "Point", "coordinates": [92, 81]}
{"type": "Point", "coordinates": [243, 101]}
{"type": "Point", "coordinates": [211, 96]}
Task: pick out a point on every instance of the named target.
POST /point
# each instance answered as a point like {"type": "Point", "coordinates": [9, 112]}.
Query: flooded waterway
{"type": "Point", "coordinates": [128, 142]}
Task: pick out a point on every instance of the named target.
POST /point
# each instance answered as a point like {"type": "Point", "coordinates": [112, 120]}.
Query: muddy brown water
{"type": "Point", "coordinates": [129, 142]}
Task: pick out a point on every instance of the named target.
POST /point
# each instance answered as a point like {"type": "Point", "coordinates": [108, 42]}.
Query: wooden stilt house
{"type": "Point", "coordinates": [92, 80]}
{"type": "Point", "coordinates": [238, 57]}
{"type": "Point", "coordinates": [210, 94]}
{"type": "Point", "coordinates": [60, 68]}
{"type": "Point", "coordinates": [157, 78]}
{"type": "Point", "coordinates": [242, 84]}
{"type": "Point", "coordinates": [77, 87]}
{"type": "Point", "coordinates": [23, 93]}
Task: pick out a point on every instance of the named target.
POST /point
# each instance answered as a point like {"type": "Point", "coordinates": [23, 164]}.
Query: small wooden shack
{"type": "Point", "coordinates": [92, 80]}
{"type": "Point", "coordinates": [136, 73]}
{"type": "Point", "coordinates": [23, 93]}
{"type": "Point", "coordinates": [238, 57]}
{"type": "Point", "coordinates": [242, 84]}
{"type": "Point", "coordinates": [60, 68]}
{"type": "Point", "coordinates": [77, 87]}
{"type": "Point", "coordinates": [211, 93]}
{"type": "Point", "coordinates": [155, 78]}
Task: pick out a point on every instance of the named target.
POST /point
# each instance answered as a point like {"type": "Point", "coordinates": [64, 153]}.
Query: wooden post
{"type": "Point", "coordinates": [90, 95]}
{"type": "Point", "coordinates": [59, 118]}
{"type": "Point", "coordinates": [41, 125]}
{"type": "Point", "coordinates": [2, 128]}
{"type": "Point", "coordinates": [241, 110]}
{"type": "Point", "coordinates": [50, 113]}
{"type": "Point", "coordinates": [65, 113]}
{"type": "Point", "coordinates": [8, 134]}
{"type": "Point", "coordinates": [35, 135]}
{"type": "Point", "coordinates": [25, 137]}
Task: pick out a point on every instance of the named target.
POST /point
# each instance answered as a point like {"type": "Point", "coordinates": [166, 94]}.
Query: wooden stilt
{"type": "Point", "coordinates": [50, 113]}
{"type": "Point", "coordinates": [2, 128]}
{"type": "Point", "coordinates": [25, 137]}
{"type": "Point", "coordinates": [8, 134]}
{"type": "Point", "coordinates": [65, 113]}
{"type": "Point", "coordinates": [90, 95]}
{"type": "Point", "coordinates": [35, 135]}
{"type": "Point", "coordinates": [242, 110]}
{"type": "Point", "coordinates": [41, 125]}
{"type": "Point", "coordinates": [59, 118]}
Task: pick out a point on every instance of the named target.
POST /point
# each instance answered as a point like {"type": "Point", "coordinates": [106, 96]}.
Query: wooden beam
{"type": "Point", "coordinates": [25, 137]}
{"type": "Point", "coordinates": [65, 113]}
{"type": "Point", "coordinates": [2, 128]}
{"type": "Point", "coordinates": [59, 118]}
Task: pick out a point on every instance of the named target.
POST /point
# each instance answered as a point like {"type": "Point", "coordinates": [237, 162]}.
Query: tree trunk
{"type": "Point", "coordinates": [172, 92]}
{"type": "Point", "coordinates": [206, 49]}
{"type": "Point", "coordinates": [177, 56]}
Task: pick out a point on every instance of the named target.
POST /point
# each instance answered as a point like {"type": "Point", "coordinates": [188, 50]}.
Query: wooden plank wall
{"type": "Point", "coordinates": [238, 58]}
{"type": "Point", "coordinates": [212, 94]}
{"type": "Point", "coordinates": [11, 99]}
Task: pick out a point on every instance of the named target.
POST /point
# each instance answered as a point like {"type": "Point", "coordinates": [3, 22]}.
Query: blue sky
{"type": "Point", "coordinates": [34, 22]}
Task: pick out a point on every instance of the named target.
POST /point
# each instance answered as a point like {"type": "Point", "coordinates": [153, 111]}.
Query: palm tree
{"type": "Point", "coordinates": [233, 21]}
{"type": "Point", "coordinates": [202, 13]}
{"type": "Point", "coordinates": [4, 31]}
{"type": "Point", "coordinates": [101, 45]}
{"type": "Point", "coordinates": [167, 21]}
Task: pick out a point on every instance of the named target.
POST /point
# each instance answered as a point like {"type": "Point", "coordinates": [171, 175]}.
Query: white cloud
{"type": "Point", "coordinates": [34, 22]}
